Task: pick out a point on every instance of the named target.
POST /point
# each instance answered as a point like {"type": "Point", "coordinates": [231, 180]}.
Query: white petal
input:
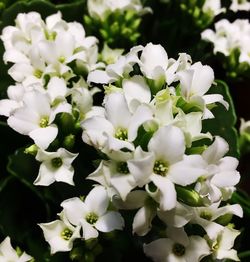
{"type": "Point", "coordinates": [7, 106]}
{"type": "Point", "coordinates": [56, 88]}
{"type": "Point", "coordinates": [228, 237]}
{"type": "Point", "coordinates": [151, 57]}
{"type": "Point", "coordinates": [110, 221]}
{"type": "Point", "coordinates": [167, 192]}
{"type": "Point", "coordinates": [136, 91]}
{"type": "Point", "coordinates": [97, 200]}
{"type": "Point", "coordinates": [216, 151]}
{"type": "Point", "coordinates": [117, 110]}
{"type": "Point", "coordinates": [93, 131]}
{"type": "Point", "coordinates": [99, 77]}
{"type": "Point", "coordinates": [159, 249]}
{"type": "Point", "coordinates": [24, 121]}
{"type": "Point", "coordinates": [123, 184]}
{"type": "Point", "coordinates": [134, 200]}
{"type": "Point", "coordinates": [202, 79]}
{"type": "Point", "coordinates": [88, 231]}
{"type": "Point", "coordinates": [45, 176]}
{"type": "Point", "coordinates": [64, 174]}
{"type": "Point", "coordinates": [209, 99]}
{"type": "Point", "coordinates": [168, 144]}
{"type": "Point", "coordinates": [75, 210]}
{"type": "Point", "coordinates": [142, 220]}
{"type": "Point", "coordinates": [197, 249]}
{"type": "Point", "coordinates": [226, 179]}
{"type": "Point", "coordinates": [141, 115]}
{"type": "Point", "coordinates": [187, 171]}
{"type": "Point", "coordinates": [44, 136]}
{"type": "Point", "coordinates": [142, 166]}
{"type": "Point", "coordinates": [177, 217]}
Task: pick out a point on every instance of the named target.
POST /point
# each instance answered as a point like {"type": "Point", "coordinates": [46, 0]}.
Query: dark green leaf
{"type": "Point", "coordinates": [224, 122]}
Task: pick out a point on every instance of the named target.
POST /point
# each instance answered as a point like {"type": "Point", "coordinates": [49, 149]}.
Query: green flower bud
{"type": "Point", "coordinates": [69, 141]}
{"type": "Point", "coordinates": [31, 150]}
{"type": "Point", "coordinates": [189, 196]}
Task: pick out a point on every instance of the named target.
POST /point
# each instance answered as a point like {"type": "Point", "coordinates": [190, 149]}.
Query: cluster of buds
{"type": "Point", "coordinates": [117, 21]}
{"type": "Point", "coordinates": [232, 41]}
{"type": "Point", "coordinates": [203, 12]}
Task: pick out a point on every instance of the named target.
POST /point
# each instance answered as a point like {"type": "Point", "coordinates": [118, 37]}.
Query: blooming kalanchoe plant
{"type": "Point", "coordinates": [149, 166]}
{"type": "Point", "coordinates": [155, 161]}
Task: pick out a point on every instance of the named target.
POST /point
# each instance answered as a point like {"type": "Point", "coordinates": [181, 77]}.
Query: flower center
{"type": "Point", "coordinates": [178, 249]}
{"type": "Point", "coordinates": [38, 73]}
{"type": "Point", "coordinates": [122, 168]}
{"type": "Point", "coordinates": [61, 59]}
{"type": "Point", "coordinates": [91, 218]}
{"type": "Point", "coordinates": [56, 162]}
{"type": "Point", "coordinates": [160, 168]}
{"type": "Point", "coordinates": [206, 215]}
{"type": "Point", "coordinates": [66, 234]}
{"type": "Point", "coordinates": [44, 121]}
{"type": "Point", "coordinates": [50, 36]}
{"type": "Point", "coordinates": [121, 134]}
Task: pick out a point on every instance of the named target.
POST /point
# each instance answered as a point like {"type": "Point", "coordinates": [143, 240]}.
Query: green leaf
{"type": "Point", "coordinates": [224, 122]}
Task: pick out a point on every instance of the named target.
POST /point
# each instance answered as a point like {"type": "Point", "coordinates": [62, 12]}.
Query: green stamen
{"type": "Point", "coordinates": [206, 215]}
{"type": "Point", "coordinates": [91, 218]}
{"type": "Point", "coordinates": [61, 59]}
{"type": "Point", "coordinates": [66, 234]}
{"type": "Point", "coordinates": [56, 162]}
{"type": "Point", "coordinates": [122, 167]}
{"type": "Point", "coordinates": [178, 249]}
{"type": "Point", "coordinates": [160, 168]}
{"type": "Point", "coordinates": [44, 121]}
{"type": "Point", "coordinates": [38, 73]}
{"type": "Point", "coordinates": [121, 134]}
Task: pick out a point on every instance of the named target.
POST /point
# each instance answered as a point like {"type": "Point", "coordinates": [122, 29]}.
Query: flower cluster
{"type": "Point", "coordinates": [154, 156]}
{"type": "Point", "coordinates": [50, 97]}
{"type": "Point", "coordinates": [231, 40]}
{"type": "Point", "coordinates": [117, 21]}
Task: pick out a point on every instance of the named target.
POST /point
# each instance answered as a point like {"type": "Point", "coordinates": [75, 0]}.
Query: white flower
{"type": "Point", "coordinates": [240, 5]}
{"type": "Point", "coordinates": [165, 164]}
{"type": "Point", "coordinates": [92, 214]}
{"type": "Point", "coordinates": [113, 133]}
{"type": "Point", "coordinates": [35, 118]}
{"type": "Point", "coordinates": [206, 217]}
{"type": "Point", "coordinates": [60, 235]}
{"type": "Point", "coordinates": [55, 166]}
{"type": "Point", "coordinates": [221, 174]}
{"type": "Point", "coordinates": [114, 174]}
{"type": "Point", "coordinates": [213, 7]}
{"type": "Point", "coordinates": [177, 248]}
{"type": "Point", "coordinates": [154, 64]}
{"type": "Point", "coordinates": [222, 246]}
{"type": "Point", "coordinates": [8, 253]}
{"type": "Point", "coordinates": [110, 56]}
{"type": "Point", "coordinates": [194, 83]}
{"type": "Point", "coordinates": [120, 69]}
